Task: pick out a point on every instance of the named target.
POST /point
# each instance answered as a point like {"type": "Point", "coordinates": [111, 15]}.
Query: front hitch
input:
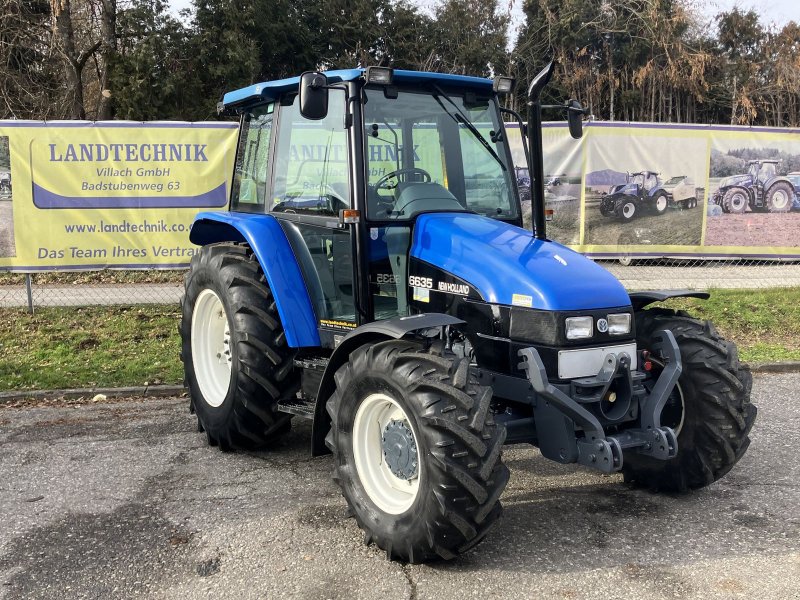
{"type": "Point", "coordinates": [596, 449]}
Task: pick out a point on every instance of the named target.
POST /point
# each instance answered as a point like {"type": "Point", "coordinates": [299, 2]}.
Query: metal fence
{"type": "Point", "coordinates": [110, 287]}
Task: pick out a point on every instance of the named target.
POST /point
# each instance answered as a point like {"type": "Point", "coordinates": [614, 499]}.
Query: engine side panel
{"type": "Point", "coordinates": [507, 265]}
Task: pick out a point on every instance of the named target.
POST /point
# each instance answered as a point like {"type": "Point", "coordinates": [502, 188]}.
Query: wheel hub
{"type": "Point", "coordinates": [400, 450]}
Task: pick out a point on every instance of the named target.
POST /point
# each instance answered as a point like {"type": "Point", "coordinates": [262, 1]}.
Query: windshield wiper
{"type": "Point", "coordinates": [460, 117]}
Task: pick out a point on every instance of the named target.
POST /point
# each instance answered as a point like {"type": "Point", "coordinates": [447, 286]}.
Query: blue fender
{"type": "Point", "coordinates": [268, 241]}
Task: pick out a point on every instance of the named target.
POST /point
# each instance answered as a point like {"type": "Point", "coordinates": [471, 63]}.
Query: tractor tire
{"type": "Point", "coordinates": [735, 201]}
{"type": "Point", "coordinates": [660, 203]}
{"type": "Point", "coordinates": [780, 197]}
{"type": "Point", "coordinates": [435, 494]}
{"type": "Point", "coordinates": [236, 361]}
{"type": "Point", "coordinates": [709, 409]}
{"type": "Point", "coordinates": [626, 210]}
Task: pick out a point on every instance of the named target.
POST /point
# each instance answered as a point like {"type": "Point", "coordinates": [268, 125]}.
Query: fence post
{"type": "Point", "coordinates": [30, 292]}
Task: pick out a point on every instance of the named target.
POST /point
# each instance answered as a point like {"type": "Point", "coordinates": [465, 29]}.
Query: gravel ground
{"type": "Point", "coordinates": [126, 500]}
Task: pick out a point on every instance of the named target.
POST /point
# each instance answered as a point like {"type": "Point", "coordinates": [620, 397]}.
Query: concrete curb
{"type": "Point", "coordinates": [151, 391]}
{"type": "Point", "coordinates": [789, 366]}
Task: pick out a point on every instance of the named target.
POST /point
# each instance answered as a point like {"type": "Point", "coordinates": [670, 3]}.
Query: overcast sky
{"type": "Point", "coordinates": [778, 12]}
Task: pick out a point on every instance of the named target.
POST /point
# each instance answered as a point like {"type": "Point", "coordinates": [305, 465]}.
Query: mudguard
{"type": "Point", "coordinates": [641, 299]}
{"type": "Point", "coordinates": [395, 328]}
{"type": "Point", "coordinates": [265, 236]}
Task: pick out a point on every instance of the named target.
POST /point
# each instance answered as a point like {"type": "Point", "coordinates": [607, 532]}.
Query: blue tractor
{"type": "Point", "coordinates": [372, 274]}
{"type": "Point", "coordinates": [641, 192]}
{"type": "Point", "coordinates": [760, 189]}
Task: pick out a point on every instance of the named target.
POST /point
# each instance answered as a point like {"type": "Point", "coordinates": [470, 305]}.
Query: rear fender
{"type": "Point", "coordinates": [265, 236]}
{"type": "Point", "coordinates": [371, 333]}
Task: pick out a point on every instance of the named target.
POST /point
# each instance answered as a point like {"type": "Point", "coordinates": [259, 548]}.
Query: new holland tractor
{"type": "Point", "coordinates": [760, 189]}
{"type": "Point", "coordinates": [641, 192]}
{"type": "Point", "coordinates": [372, 275]}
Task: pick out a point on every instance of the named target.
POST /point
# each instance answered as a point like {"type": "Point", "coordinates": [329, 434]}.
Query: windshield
{"type": "Point", "coordinates": [675, 180]}
{"type": "Point", "coordinates": [434, 150]}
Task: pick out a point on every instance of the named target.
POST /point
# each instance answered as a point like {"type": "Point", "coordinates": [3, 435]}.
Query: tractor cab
{"type": "Point", "coordinates": [644, 180]}
{"type": "Point", "coordinates": [762, 171]}
{"type": "Point", "coordinates": [347, 161]}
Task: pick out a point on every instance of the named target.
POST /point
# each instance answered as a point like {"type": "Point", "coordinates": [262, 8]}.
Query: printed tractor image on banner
{"type": "Point", "coordinates": [115, 194]}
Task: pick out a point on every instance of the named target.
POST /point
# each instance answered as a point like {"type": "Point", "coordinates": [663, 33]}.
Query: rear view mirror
{"type": "Point", "coordinates": [575, 114]}
{"type": "Point", "coordinates": [313, 96]}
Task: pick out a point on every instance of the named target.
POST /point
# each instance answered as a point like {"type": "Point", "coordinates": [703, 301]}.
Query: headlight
{"type": "Point", "coordinates": [619, 324]}
{"type": "Point", "coordinates": [579, 327]}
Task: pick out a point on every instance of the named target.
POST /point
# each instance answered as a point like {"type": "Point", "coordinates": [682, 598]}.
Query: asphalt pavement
{"type": "Point", "coordinates": [125, 499]}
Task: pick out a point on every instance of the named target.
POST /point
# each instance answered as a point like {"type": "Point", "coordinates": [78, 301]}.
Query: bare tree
{"type": "Point", "coordinates": [74, 59]}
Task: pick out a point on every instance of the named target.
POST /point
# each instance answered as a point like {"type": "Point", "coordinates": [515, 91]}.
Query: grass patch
{"type": "Point", "coordinates": [102, 277]}
{"type": "Point", "coordinates": [93, 346]}
{"type": "Point", "coordinates": [123, 346]}
{"type": "Point", "coordinates": [765, 324]}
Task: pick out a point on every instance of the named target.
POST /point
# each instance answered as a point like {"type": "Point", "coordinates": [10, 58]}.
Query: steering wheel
{"type": "Point", "coordinates": [381, 184]}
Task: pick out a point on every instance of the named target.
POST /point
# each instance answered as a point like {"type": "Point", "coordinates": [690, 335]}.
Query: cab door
{"type": "Point", "coordinates": [310, 185]}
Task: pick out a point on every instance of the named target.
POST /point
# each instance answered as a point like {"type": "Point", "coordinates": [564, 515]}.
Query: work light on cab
{"type": "Point", "coordinates": [503, 85]}
{"type": "Point", "coordinates": [379, 75]}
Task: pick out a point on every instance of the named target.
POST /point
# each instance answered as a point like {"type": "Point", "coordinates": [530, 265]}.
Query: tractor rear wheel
{"type": "Point", "coordinates": [626, 210]}
{"type": "Point", "coordinates": [709, 410]}
{"type": "Point", "coordinates": [236, 361]}
{"type": "Point", "coordinates": [735, 201]}
{"type": "Point", "coordinates": [780, 197]}
{"type": "Point", "coordinates": [417, 452]}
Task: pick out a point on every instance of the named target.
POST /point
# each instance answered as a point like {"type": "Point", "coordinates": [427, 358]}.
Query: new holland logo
{"type": "Point", "coordinates": [602, 325]}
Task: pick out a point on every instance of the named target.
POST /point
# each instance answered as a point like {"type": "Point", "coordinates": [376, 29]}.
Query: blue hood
{"type": "Point", "coordinates": [507, 265]}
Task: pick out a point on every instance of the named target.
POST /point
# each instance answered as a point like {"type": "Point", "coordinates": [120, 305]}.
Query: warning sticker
{"type": "Point", "coordinates": [522, 300]}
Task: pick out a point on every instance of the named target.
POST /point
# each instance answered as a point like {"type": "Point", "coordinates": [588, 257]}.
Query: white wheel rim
{"type": "Point", "coordinates": [390, 493]}
{"type": "Point", "coordinates": [780, 199]}
{"type": "Point", "coordinates": [737, 202]}
{"type": "Point", "coordinates": [211, 347]}
{"type": "Point", "coordinates": [628, 210]}
{"type": "Point", "coordinates": [661, 204]}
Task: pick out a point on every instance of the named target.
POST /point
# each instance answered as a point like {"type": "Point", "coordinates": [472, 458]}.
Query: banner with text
{"type": "Point", "coordinates": [78, 195]}
{"type": "Point", "coordinates": [81, 195]}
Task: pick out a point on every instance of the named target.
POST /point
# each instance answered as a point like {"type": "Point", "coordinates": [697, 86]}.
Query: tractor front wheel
{"type": "Point", "coordinates": [626, 210]}
{"type": "Point", "coordinates": [780, 197]}
{"type": "Point", "coordinates": [236, 361]}
{"type": "Point", "coordinates": [709, 409]}
{"type": "Point", "coordinates": [417, 453]}
{"type": "Point", "coordinates": [660, 203]}
{"type": "Point", "coordinates": [735, 201]}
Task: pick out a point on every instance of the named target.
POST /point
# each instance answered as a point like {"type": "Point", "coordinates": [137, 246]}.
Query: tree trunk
{"type": "Point", "coordinates": [73, 61]}
{"type": "Point", "coordinates": [108, 48]}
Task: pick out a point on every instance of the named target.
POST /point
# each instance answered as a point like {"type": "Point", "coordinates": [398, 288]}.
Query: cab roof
{"type": "Point", "coordinates": [271, 90]}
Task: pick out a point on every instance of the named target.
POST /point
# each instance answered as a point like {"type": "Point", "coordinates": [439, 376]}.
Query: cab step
{"type": "Point", "coordinates": [297, 406]}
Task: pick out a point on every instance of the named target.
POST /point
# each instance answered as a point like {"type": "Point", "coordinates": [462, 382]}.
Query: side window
{"type": "Point", "coordinates": [311, 169]}
{"type": "Point", "coordinates": [487, 184]}
{"type": "Point", "coordinates": [252, 161]}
